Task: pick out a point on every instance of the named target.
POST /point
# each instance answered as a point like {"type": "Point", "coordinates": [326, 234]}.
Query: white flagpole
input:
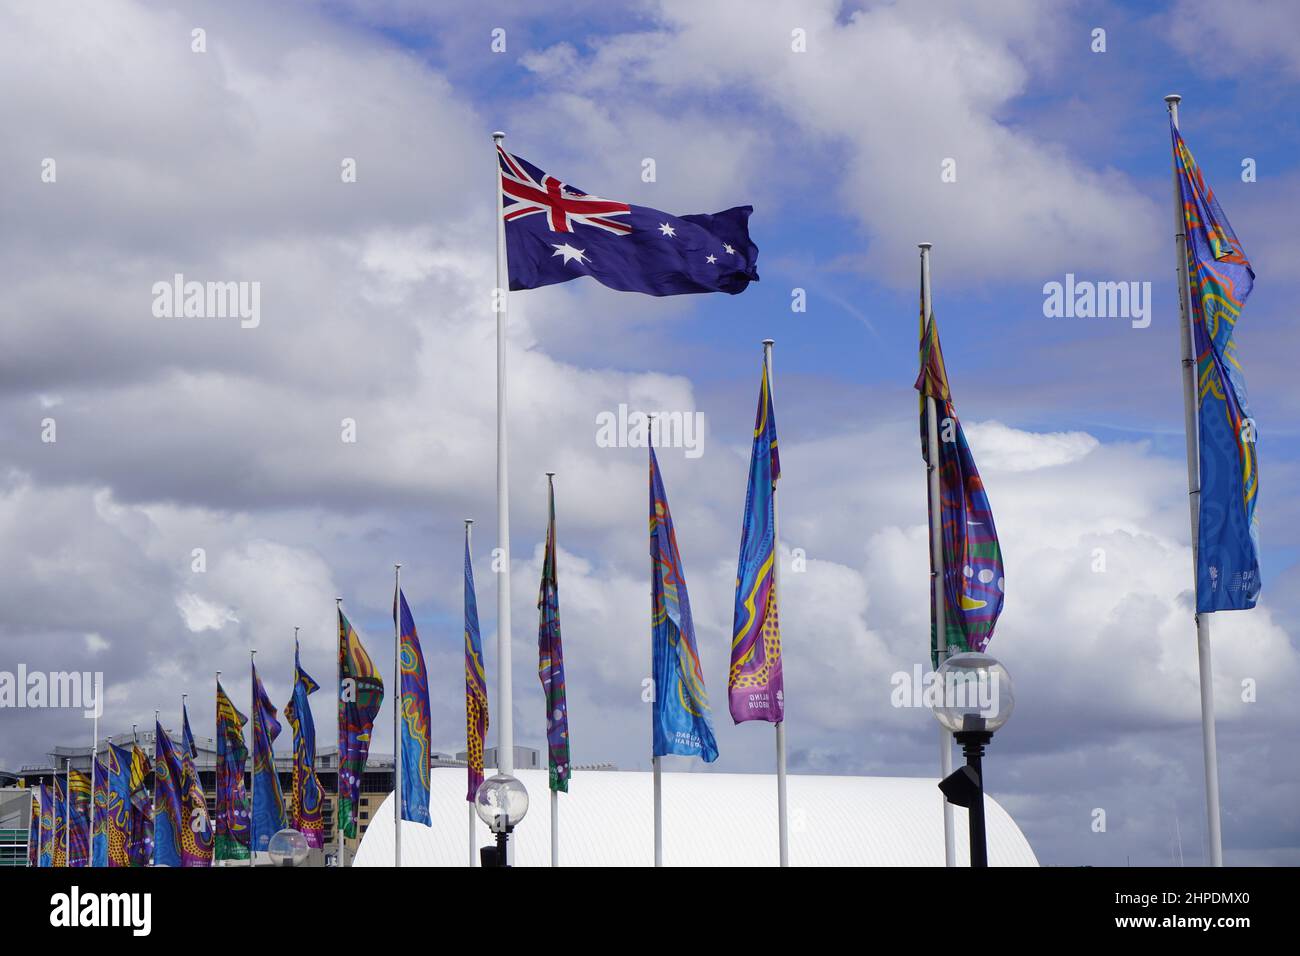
{"type": "Point", "coordinates": [94, 758]}
{"type": "Point", "coordinates": [67, 812]}
{"type": "Point", "coordinates": [655, 760]}
{"type": "Point", "coordinates": [40, 821]}
{"type": "Point", "coordinates": [555, 794]}
{"type": "Point", "coordinates": [154, 809]}
{"type": "Point", "coordinates": [505, 689]}
{"type": "Point", "coordinates": [469, 805]}
{"type": "Point", "coordinates": [782, 804]}
{"type": "Point", "coordinates": [338, 754]}
{"type": "Point", "coordinates": [216, 742]}
{"type": "Point", "coordinates": [936, 557]}
{"type": "Point", "coordinates": [397, 715]}
{"type": "Point", "coordinates": [252, 777]}
{"type": "Point", "coordinates": [1190, 426]}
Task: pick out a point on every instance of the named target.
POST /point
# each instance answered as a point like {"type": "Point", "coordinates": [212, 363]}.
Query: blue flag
{"type": "Point", "coordinates": [755, 682]}
{"type": "Point", "coordinates": [1220, 276]}
{"type": "Point", "coordinates": [414, 701]}
{"type": "Point", "coordinates": [681, 705]}
{"type": "Point", "coordinates": [166, 801]}
{"type": "Point", "coordinates": [476, 699]}
{"type": "Point", "coordinates": [556, 232]}
{"type": "Point", "coordinates": [268, 799]}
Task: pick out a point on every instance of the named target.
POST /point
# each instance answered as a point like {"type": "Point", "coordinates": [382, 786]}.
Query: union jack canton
{"type": "Point", "coordinates": [556, 232]}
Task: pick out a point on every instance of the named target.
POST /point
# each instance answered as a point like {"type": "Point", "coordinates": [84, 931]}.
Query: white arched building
{"type": "Point", "coordinates": [710, 819]}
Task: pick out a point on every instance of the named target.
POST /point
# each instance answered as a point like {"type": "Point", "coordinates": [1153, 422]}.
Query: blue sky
{"type": "Point", "coordinates": [225, 165]}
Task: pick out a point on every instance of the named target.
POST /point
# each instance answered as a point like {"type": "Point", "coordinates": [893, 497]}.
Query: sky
{"type": "Point", "coordinates": [836, 122]}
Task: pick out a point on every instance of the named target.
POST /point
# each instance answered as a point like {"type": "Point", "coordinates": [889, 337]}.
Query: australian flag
{"type": "Point", "coordinates": [556, 232]}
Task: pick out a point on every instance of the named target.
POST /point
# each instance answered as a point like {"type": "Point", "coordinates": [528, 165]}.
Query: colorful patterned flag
{"type": "Point", "coordinates": [415, 718]}
{"type": "Point", "coordinates": [34, 832]}
{"type": "Point", "coordinates": [550, 659]}
{"type": "Point", "coordinates": [196, 825]}
{"type": "Point", "coordinates": [46, 857]}
{"type": "Point", "coordinates": [117, 807]}
{"type": "Point", "coordinates": [555, 232]}
{"type": "Point", "coordinates": [59, 856]}
{"type": "Point", "coordinates": [681, 704]}
{"type": "Point", "coordinates": [305, 809]}
{"type": "Point", "coordinates": [139, 847]}
{"type": "Point", "coordinates": [232, 823]}
{"type": "Point", "coordinates": [476, 699]}
{"type": "Point", "coordinates": [1220, 276]}
{"type": "Point", "coordinates": [755, 685]}
{"type": "Point", "coordinates": [167, 813]}
{"type": "Point", "coordinates": [972, 558]}
{"type": "Point", "coordinates": [99, 813]}
{"type": "Point", "coordinates": [79, 819]}
{"type": "Point", "coordinates": [268, 800]}
{"type": "Point", "coordinates": [361, 692]}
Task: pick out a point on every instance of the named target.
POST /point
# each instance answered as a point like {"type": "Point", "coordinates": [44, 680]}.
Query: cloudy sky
{"type": "Point", "coordinates": [174, 434]}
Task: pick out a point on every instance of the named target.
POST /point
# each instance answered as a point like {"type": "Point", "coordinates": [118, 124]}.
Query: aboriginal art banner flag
{"type": "Point", "coordinates": [361, 692]}
{"type": "Point", "coordinates": [305, 811]}
{"type": "Point", "coordinates": [550, 659]}
{"type": "Point", "coordinates": [1220, 277]}
{"type": "Point", "coordinates": [197, 837]}
{"type": "Point", "coordinates": [232, 823]}
{"type": "Point", "coordinates": [476, 699]}
{"type": "Point", "coordinates": [415, 716]}
{"type": "Point", "coordinates": [167, 814]}
{"type": "Point", "coordinates": [116, 769]}
{"type": "Point", "coordinates": [556, 232]}
{"type": "Point", "coordinates": [972, 557]}
{"type": "Point", "coordinates": [34, 831]}
{"type": "Point", "coordinates": [139, 844]}
{"type": "Point", "coordinates": [46, 856]}
{"type": "Point", "coordinates": [79, 819]}
{"type": "Point", "coordinates": [99, 814]}
{"type": "Point", "coordinates": [755, 687]}
{"type": "Point", "coordinates": [268, 799]}
{"type": "Point", "coordinates": [59, 855]}
{"type": "Point", "coordinates": [681, 704]}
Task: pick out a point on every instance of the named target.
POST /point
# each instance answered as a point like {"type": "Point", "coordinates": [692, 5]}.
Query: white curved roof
{"type": "Point", "coordinates": [710, 819]}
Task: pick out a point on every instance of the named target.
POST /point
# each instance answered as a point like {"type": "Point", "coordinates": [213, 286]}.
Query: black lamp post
{"type": "Point", "coordinates": [976, 700]}
{"type": "Point", "coordinates": [501, 802]}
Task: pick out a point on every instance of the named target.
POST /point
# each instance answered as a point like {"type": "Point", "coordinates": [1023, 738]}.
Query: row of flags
{"type": "Point", "coordinates": [555, 232]}
{"type": "Point", "coordinates": [153, 811]}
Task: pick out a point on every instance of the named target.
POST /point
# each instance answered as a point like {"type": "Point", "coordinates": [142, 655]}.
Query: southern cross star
{"type": "Point", "coordinates": [710, 259]}
{"type": "Point", "coordinates": [730, 250]}
{"type": "Point", "coordinates": [569, 253]}
{"type": "Point", "coordinates": [667, 230]}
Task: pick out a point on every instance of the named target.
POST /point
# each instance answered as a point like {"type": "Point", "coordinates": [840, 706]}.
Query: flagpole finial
{"type": "Point", "coordinates": [550, 474]}
{"type": "Point", "coordinates": [1174, 98]}
{"type": "Point", "coordinates": [925, 246]}
{"type": "Point", "coordinates": [469, 521]}
{"type": "Point", "coordinates": [498, 136]}
{"type": "Point", "coordinates": [769, 341]}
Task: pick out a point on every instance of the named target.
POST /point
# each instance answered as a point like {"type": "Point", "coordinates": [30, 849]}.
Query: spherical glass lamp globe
{"type": "Point", "coordinates": [501, 802]}
{"type": "Point", "coordinates": [287, 848]}
{"type": "Point", "coordinates": [973, 694]}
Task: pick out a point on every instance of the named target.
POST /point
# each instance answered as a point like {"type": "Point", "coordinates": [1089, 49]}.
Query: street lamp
{"type": "Point", "coordinates": [287, 848]}
{"type": "Point", "coordinates": [501, 802]}
{"type": "Point", "coordinates": [975, 700]}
